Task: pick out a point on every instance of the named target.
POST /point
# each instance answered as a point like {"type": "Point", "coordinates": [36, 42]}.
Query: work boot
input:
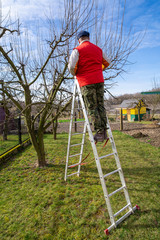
{"type": "Point", "coordinates": [99, 136]}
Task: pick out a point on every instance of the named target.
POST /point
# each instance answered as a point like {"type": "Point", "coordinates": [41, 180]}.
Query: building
{"type": "Point", "coordinates": [131, 107]}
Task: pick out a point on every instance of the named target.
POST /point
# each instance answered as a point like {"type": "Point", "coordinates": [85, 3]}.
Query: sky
{"type": "Point", "coordinates": [142, 15]}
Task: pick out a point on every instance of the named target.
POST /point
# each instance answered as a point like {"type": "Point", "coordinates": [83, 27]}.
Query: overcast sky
{"type": "Point", "coordinates": [141, 14]}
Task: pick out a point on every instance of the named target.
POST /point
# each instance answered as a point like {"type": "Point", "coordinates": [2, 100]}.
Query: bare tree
{"type": "Point", "coordinates": [139, 106]}
{"type": "Point", "coordinates": [36, 77]}
{"type": "Point", "coordinates": [29, 75]}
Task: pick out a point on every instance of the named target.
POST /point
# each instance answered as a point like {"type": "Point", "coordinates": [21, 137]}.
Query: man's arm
{"type": "Point", "coordinates": [105, 61]}
{"type": "Point", "coordinates": [73, 62]}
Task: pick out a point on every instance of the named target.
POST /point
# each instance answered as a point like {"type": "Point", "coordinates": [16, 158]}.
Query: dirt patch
{"type": "Point", "coordinates": [149, 133]}
{"type": "Point", "coordinates": [139, 135]}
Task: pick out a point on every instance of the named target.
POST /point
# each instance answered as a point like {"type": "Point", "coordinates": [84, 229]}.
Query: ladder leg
{"type": "Point", "coordinates": [70, 130]}
{"type": "Point", "coordinates": [119, 166]}
{"type": "Point", "coordinates": [96, 158]}
{"type": "Point", "coordinates": [82, 146]}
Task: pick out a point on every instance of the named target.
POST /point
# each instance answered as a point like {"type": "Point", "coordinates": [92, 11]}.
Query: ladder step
{"type": "Point", "coordinates": [75, 155]}
{"type": "Point", "coordinates": [78, 144]}
{"type": "Point", "coordinates": [72, 174]}
{"type": "Point", "coordinates": [106, 155]}
{"type": "Point", "coordinates": [121, 219]}
{"type": "Point", "coordinates": [119, 189]}
{"type": "Point", "coordinates": [117, 213]}
{"type": "Point", "coordinates": [124, 217]}
{"type": "Point", "coordinates": [78, 133]}
{"type": "Point", "coordinates": [106, 175]}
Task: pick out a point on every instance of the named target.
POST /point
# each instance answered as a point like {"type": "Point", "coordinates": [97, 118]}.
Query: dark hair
{"type": "Point", "coordinates": [83, 38]}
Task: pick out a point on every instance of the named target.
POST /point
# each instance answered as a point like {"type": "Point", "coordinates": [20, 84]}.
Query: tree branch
{"type": "Point", "coordinates": [57, 115]}
{"type": "Point", "coordinates": [12, 65]}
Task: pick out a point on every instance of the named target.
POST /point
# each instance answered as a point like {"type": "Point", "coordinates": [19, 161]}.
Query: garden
{"type": "Point", "coordinates": [36, 203]}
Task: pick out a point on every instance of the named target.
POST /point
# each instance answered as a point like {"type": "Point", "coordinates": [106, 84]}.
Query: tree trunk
{"type": "Point", "coordinates": [38, 143]}
{"type": "Point", "coordinates": [5, 125]}
{"type": "Point", "coordinates": [139, 116]}
{"type": "Point", "coordinates": [36, 137]}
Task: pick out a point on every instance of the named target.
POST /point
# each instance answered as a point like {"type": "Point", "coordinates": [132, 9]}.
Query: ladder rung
{"type": "Point", "coordinates": [119, 189]}
{"type": "Point", "coordinates": [75, 155]}
{"type": "Point", "coordinates": [78, 133]}
{"type": "Point", "coordinates": [76, 144]}
{"type": "Point", "coordinates": [72, 174]}
{"type": "Point", "coordinates": [106, 155]}
{"type": "Point", "coordinates": [106, 175]}
{"type": "Point", "coordinates": [117, 213]}
{"type": "Point", "coordinates": [124, 217]}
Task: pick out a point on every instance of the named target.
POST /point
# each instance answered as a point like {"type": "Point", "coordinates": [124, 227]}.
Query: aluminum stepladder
{"type": "Point", "coordinates": [107, 196]}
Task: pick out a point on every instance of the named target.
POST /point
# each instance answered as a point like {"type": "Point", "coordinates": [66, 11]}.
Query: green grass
{"type": "Point", "coordinates": [145, 122]}
{"type": "Point", "coordinates": [39, 204]}
{"type": "Point", "coordinates": [12, 140]}
{"type": "Point", "coordinates": [68, 120]}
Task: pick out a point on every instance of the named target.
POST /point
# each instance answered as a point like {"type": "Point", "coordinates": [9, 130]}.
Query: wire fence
{"type": "Point", "coordinates": [13, 131]}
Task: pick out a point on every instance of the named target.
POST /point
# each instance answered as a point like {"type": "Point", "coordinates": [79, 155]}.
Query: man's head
{"type": "Point", "coordinates": [83, 35]}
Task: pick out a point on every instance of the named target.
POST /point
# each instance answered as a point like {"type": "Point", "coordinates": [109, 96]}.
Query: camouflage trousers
{"type": "Point", "coordinates": [93, 96]}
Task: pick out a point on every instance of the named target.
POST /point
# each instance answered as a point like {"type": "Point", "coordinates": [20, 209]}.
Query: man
{"type": "Point", "coordinates": [86, 63]}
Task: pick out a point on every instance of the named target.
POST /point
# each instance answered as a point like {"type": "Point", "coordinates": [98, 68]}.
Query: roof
{"type": "Point", "coordinates": [130, 103]}
{"type": "Point", "coordinates": [156, 92]}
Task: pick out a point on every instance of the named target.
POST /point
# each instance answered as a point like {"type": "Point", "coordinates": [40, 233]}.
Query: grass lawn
{"type": "Point", "coordinates": [68, 120]}
{"type": "Point", "coordinates": [144, 122]}
{"type": "Point", "coordinates": [12, 140]}
{"type": "Point", "coordinates": [39, 204]}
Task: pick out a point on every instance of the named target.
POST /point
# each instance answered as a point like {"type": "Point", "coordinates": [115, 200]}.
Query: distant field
{"type": "Point", "coordinates": [68, 120]}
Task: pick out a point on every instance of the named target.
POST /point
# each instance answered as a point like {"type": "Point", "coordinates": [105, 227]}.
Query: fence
{"type": "Point", "coordinates": [13, 131]}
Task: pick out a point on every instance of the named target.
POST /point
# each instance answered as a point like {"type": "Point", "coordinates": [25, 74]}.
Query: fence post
{"type": "Point", "coordinates": [19, 130]}
{"type": "Point", "coordinates": [75, 124]}
{"type": "Point", "coordinates": [121, 120]}
{"type": "Point", "coordinates": [79, 111]}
